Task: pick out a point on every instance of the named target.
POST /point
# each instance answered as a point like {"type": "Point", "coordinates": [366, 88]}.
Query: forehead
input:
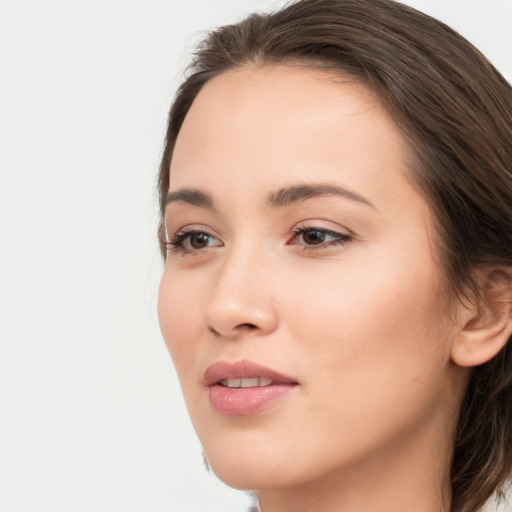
{"type": "Point", "coordinates": [277, 104]}
{"type": "Point", "coordinates": [258, 128]}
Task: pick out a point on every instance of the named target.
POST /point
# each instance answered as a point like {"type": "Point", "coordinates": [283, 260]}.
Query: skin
{"type": "Point", "coordinates": [356, 324]}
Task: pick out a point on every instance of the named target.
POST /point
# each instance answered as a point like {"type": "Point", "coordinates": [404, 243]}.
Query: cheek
{"type": "Point", "coordinates": [372, 331]}
{"type": "Point", "coordinates": [373, 363]}
{"type": "Point", "coordinates": [178, 315]}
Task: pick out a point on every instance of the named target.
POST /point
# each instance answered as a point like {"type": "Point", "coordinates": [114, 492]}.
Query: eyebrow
{"type": "Point", "coordinates": [282, 197]}
{"type": "Point", "coordinates": [191, 196]}
{"type": "Point", "coordinates": [297, 193]}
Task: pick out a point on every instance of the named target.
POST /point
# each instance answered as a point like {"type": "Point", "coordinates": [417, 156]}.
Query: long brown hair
{"type": "Point", "coordinates": [455, 112]}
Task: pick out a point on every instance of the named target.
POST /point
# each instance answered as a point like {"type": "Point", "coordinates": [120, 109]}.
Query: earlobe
{"type": "Point", "coordinates": [486, 325]}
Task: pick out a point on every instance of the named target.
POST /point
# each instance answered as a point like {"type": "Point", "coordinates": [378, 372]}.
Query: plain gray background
{"type": "Point", "coordinates": [91, 417]}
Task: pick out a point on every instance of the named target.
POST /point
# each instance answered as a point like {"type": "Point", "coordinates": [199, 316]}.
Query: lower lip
{"type": "Point", "coordinates": [243, 401]}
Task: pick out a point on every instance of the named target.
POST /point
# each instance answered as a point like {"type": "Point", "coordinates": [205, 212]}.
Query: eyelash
{"type": "Point", "coordinates": [338, 238]}
{"type": "Point", "coordinates": [176, 245]}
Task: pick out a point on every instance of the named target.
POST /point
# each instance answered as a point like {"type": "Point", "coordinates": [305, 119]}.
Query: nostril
{"type": "Point", "coordinates": [238, 328]}
{"type": "Point", "coordinates": [248, 327]}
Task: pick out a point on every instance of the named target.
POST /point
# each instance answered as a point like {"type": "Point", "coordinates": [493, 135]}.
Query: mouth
{"type": "Point", "coordinates": [247, 382]}
{"type": "Point", "coordinates": [244, 387]}
{"type": "Point", "coordinates": [243, 374]}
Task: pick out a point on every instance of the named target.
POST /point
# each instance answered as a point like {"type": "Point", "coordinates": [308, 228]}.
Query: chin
{"type": "Point", "coordinates": [248, 471]}
{"type": "Point", "coordinates": [254, 479]}
{"type": "Point", "coordinates": [257, 466]}
{"type": "Point", "coordinates": [241, 480]}
{"type": "Point", "coordinates": [243, 474]}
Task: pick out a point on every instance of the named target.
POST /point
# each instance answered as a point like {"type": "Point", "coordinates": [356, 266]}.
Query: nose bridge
{"type": "Point", "coordinates": [242, 297]}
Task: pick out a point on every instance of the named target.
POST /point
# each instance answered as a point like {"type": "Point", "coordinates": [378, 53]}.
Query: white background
{"type": "Point", "coordinates": [91, 417]}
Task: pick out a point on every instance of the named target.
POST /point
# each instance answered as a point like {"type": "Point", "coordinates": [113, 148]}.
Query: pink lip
{"type": "Point", "coordinates": [244, 401]}
{"type": "Point", "coordinates": [241, 369]}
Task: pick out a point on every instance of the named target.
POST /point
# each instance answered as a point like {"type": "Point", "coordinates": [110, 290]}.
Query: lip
{"type": "Point", "coordinates": [222, 370]}
{"type": "Point", "coordinates": [244, 401]}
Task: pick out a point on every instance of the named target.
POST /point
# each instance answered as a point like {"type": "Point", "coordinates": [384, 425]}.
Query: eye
{"type": "Point", "coordinates": [190, 241]}
{"type": "Point", "coordinates": [317, 238]}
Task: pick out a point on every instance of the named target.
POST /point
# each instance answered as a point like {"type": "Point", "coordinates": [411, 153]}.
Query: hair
{"type": "Point", "coordinates": [454, 110]}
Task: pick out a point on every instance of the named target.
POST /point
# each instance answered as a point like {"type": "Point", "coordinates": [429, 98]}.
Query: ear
{"type": "Point", "coordinates": [486, 325]}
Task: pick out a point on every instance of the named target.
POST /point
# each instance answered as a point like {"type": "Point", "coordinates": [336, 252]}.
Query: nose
{"type": "Point", "coordinates": [242, 301]}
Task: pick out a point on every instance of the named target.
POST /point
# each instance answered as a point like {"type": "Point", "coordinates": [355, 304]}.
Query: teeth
{"type": "Point", "coordinates": [253, 382]}
{"type": "Point", "coordinates": [249, 383]}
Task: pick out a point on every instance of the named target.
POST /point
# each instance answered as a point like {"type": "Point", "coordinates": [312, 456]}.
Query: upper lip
{"type": "Point", "coordinates": [223, 370]}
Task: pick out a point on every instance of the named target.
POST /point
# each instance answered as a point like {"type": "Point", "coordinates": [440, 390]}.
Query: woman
{"type": "Point", "coordinates": [336, 192]}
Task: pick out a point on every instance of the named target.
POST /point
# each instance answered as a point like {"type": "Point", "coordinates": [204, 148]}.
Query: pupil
{"type": "Point", "coordinates": [199, 240]}
{"type": "Point", "coordinates": [313, 236]}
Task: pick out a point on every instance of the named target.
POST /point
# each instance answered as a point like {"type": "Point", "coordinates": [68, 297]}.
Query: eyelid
{"type": "Point", "coordinates": [339, 237]}
{"type": "Point", "coordinates": [189, 228]}
{"type": "Point", "coordinates": [176, 243]}
{"type": "Point", "coordinates": [333, 236]}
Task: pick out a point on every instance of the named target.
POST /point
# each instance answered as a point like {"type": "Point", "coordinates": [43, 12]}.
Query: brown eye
{"type": "Point", "coordinates": [199, 240]}
{"type": "Point", "coordinates": [313, 236]}
{"type": "Point", "coordinates": [192, 241]}
{"type": "Point", "coordinates": [318, 238]}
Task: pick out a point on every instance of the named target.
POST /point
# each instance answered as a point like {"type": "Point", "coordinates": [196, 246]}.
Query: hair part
{"type": "Point", "coordinates": [455, 112]}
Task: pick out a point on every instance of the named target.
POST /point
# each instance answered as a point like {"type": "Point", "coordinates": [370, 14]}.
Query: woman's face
{"type": "Point", "coordinates": [301, 267]}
